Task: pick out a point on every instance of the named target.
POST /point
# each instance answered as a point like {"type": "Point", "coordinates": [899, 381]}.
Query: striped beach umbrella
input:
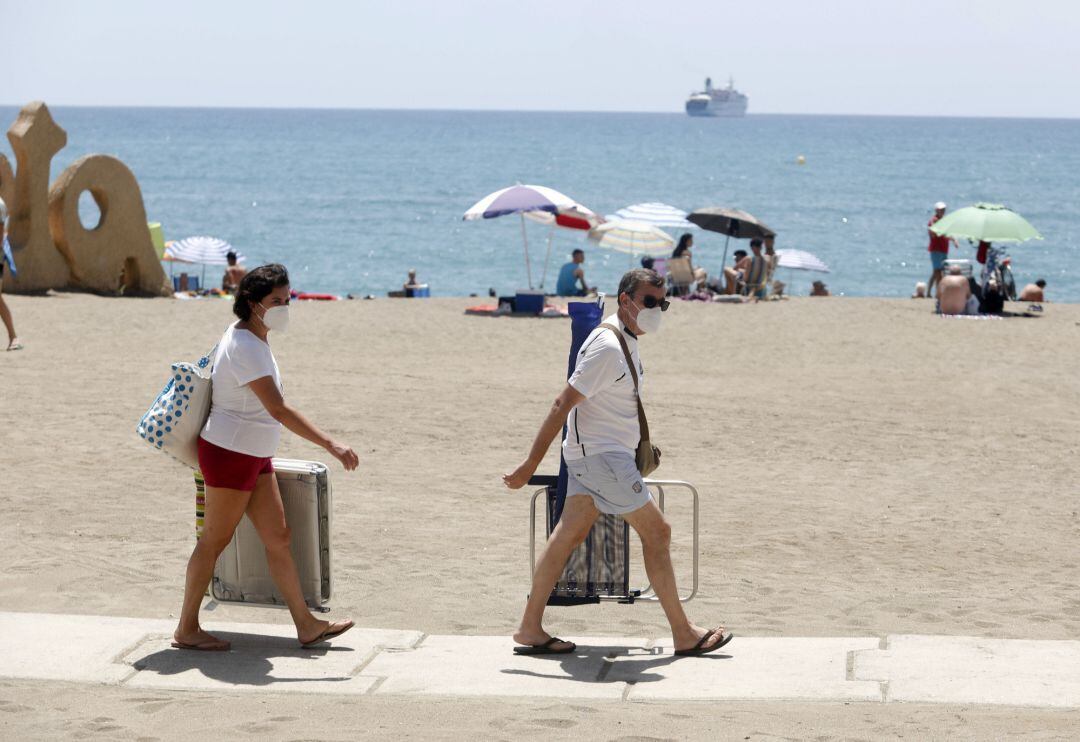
{"type": "Point", "coordinates": [657, 214]}
{"type": "Point", "coordinates": [800, 260]}
{"type": "Point", "coordinates": [636, 238]}
{"type": "Point", "coordinates": [204, 250]}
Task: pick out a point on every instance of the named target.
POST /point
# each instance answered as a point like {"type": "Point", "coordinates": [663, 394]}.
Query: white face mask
{"type": "Point", "coordinates": [276, 318]}
{"type": "Point", "coordinates": [648, 320]}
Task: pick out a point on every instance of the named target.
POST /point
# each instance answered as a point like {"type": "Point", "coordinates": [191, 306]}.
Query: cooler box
{"type": "Point", "coordinates": [529, 301]}
{"type": "Point", "coordinates": [242, 575]}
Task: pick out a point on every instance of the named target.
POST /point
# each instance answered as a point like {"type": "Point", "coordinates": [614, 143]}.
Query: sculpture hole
{"type": "Point", "coordinates": [129, 277]}
{"type": "Point", "coordinates": [91, 212]}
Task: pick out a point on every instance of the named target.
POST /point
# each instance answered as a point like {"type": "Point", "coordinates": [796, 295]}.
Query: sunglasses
{"type": "Point", "coordinates": [651, 302]}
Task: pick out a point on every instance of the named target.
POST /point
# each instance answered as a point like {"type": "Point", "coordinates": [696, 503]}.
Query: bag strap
{"type": "Point", "coordinates": [643, 424]}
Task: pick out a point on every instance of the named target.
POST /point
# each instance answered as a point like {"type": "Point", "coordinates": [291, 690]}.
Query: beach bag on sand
{"type": "Point", "coordinates": [175, 419]}
{"type": "Point", "coordinates": [647, 455]}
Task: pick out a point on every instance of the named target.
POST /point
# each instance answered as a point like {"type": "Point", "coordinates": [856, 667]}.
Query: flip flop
{"type": "Point", "coordinates": [699, 649]}
{"type": "Point", "coordinates": [19, 346]}
{"type": "Point", "coordinates": [327, 635]}
{"type": "Point", "coordinates": [210, 645]}
{"type": "Point", "coordinates": [545, 648]}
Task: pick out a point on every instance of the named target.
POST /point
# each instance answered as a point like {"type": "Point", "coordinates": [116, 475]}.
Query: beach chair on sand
{"type": "Point", "coordinates": [680, 276]}
{"type": "Point", "coordinates": [599, 569]}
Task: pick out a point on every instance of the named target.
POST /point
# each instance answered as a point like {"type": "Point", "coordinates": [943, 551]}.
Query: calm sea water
{"type": "Point", "coordinates": [349, 200]}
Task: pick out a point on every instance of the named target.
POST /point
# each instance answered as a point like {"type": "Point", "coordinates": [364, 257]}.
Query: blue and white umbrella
{"type": "Point", "coordinates": [520, 199]}
{"type": "Point", "coordinates": [657, 214]}
{"type": "Point", "coordinates": [636, 238]}
{"type": "Point", "coordinates": [204, 250]}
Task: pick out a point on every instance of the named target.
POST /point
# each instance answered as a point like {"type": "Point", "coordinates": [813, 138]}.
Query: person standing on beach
{"type": "Point", "coordinates": [236, 448]}
{"type": "Point", "coordinates": [571, 275]}
{"type": "Point", "coordinates": [938, 248]}
{"type": "Point", "coordinates": [233, 273]}
{"type": "Point", "coordinates": [600, 401]}
{"type": "Point", "coordinates": [7, 260]}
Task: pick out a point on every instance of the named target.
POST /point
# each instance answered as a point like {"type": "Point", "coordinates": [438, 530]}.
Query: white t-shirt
{"type": "Point", "coordinates": [606, 421]}
{"type": "Point", "coordinates": [238, 421]}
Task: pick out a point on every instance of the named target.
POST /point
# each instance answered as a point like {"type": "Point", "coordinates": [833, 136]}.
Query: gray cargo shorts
{"type": "Point", "coordinates": [613, 481]}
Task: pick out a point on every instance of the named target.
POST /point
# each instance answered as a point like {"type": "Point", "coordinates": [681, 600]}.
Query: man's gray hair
{"type": "Point", "coordinates": [632, 279]}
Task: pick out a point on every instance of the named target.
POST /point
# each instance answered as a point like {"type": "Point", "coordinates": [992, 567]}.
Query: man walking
{"type": "Point", "coordinates": [600, 405]}
{"type": "Point", "coordinates": [938, 248]}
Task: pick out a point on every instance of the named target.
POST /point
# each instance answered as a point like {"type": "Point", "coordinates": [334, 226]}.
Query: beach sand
{"type": "Point", "coordinates": [865, 468]}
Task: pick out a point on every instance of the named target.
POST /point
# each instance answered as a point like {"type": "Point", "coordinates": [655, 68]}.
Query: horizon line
{"type": "Point", "coordinates": [168, 107]}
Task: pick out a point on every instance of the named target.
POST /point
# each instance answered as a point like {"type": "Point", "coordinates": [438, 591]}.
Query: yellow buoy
{"type": "Point", "coordinates": [800, 160]}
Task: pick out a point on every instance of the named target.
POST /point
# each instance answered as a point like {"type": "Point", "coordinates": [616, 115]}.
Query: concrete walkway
{"type": "Point", "coordinates": [265, 657]}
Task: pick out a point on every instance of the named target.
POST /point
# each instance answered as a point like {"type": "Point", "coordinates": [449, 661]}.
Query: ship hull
{"type": "Point", "coordinates": [713, 109]}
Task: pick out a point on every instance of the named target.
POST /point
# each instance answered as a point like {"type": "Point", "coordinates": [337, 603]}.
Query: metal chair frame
{"type": "Point", "coordinates": [645, 593]}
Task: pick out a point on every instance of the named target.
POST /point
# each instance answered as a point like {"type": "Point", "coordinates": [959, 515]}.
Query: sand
{"type": "Point", "coordinates": [865, 468]}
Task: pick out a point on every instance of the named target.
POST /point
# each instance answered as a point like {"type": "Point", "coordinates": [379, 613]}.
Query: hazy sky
{"type": "Point", "coordinates": [988, 58]}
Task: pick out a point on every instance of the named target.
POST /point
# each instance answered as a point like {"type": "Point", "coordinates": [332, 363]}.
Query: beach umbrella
{"type": "Point", "coordinates": [800, 260]}
{"type": "Point", "coordinates": [635, 238]}
{"type": "Point", "coordinates": [204, 250]}
{"type": "Point", "coordinates": [986, 222]}
{"type": "Point", "coordinates": [656, 214]}
{"type": "Point", "coordinates": [730, 222]}
{"type": "Point", "coordinates": [519, 199]}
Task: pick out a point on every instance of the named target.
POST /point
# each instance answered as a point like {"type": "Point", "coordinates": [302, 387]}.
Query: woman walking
{"type": "Point", "coordinates": [237, 444]}
{"type": "Point", "coordinates": [6, 258]}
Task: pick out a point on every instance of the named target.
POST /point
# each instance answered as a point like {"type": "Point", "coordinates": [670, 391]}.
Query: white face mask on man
{"type": "Point", "coordinates": [648, 320]}
{"type": "Point", "coordinates": [276, 318]}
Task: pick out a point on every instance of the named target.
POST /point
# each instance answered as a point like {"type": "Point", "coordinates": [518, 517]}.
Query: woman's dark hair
{"type": "Point", "coordinates": [256, 285]}
{"type": "Point", "coordinates": [683, 246]}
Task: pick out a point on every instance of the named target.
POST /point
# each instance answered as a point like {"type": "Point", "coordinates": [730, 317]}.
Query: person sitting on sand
{"type": "Point", "coordinates": [571, 275]}
{"type": "Point", "coordinates": [920, 290]}
{"type": "Point", "coordinates": [1034, 292]}
{"type": "Point", "coordinates": [411, 282]}
{"type": "Point", "coordinates": [733, 276]}
{"type": "Point", "coordinates": [236, 449]}
{"type": "Point", "coordinates": [602, 398]}
{"type": "Point", "coordinates": [953, 292]}
{"type": "Point", "coordinates": [233, 273]}
{"type": "Point", "coordinates": [8, 260]}
{"type": "Point", "coordinates": [755, 270]}
{"type": "Point", "coordinates": [819, 289]}
{"type": "Point", "coordinates": [682, 250]}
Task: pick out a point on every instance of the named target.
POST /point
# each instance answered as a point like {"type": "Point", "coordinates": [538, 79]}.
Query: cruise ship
{"type": "Point", "coordinates": [712, 102]}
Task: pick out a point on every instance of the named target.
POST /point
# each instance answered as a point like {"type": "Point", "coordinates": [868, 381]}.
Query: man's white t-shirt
{"type": "Point", "coordinates": [238, 421]}
{"type": "Point", "coordinates": [607, 420]}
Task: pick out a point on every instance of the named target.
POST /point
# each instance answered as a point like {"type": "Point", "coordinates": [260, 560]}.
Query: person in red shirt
{"type": "Point", "coordinates": [938, 249]}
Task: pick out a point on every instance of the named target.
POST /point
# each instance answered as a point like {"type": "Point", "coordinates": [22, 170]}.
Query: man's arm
{"type": "Point", "coordinates": [552, 426]}
{"type": "Point", "coordinates": [580, 273]}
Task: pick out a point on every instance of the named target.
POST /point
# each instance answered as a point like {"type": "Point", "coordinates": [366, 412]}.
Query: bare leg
{"type": "Point", "coordinates": [730, 280]}
{"type": "Point", "coordinates": [224, 508]}
{"type": "Point", "coordinates": [655, 534]}
{"type": "Point", "coordinates": [578, 516]}
{"type": "Point", "coordinates": [9, 324]}
{"type": "Point", "coordinates": [935, 277]}
{"type": "Point", "coordinates": [267, 514]}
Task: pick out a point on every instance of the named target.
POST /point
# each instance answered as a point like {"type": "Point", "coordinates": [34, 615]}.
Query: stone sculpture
{"type": "Point", "coordinates": [52, 249]}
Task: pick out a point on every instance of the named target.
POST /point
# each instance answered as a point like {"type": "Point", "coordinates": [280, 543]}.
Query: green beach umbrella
{"type": "Point", "coordinates": [988, 222]}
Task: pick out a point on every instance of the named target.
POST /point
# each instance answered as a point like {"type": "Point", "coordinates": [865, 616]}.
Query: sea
{"type": "Point", "coordinates": [350, 200]}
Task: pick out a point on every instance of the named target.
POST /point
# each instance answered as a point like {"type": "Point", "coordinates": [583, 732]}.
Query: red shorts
{"type": "Point", "coordinates": [231, 469]}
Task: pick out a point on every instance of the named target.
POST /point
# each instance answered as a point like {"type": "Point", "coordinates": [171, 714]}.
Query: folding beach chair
{"type": "Point", "coordinates": [599, 569]}
{"type": "Point", "coordinates": [680, 276]}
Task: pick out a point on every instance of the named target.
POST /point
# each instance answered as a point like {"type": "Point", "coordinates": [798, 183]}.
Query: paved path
{"type": "Point", "coordinates": [265, 657]}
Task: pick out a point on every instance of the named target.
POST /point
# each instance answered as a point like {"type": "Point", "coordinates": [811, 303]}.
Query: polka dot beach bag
{"type": "Point", "coordinates": [174, 421]}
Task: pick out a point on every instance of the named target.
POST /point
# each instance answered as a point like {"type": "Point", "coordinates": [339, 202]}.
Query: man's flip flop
{"type": "Point", "coordinates": [327, 635]}
{"type": "Point", "coordinates": [699, 649]}
{"type": "Point", "coordinates": [546, 647]}
{"type": "Point", "coordinates": [211, 645]}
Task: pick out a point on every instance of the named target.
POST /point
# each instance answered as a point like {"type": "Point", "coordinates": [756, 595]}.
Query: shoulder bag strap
{"type": "Point", "coordinates": [643, 424]}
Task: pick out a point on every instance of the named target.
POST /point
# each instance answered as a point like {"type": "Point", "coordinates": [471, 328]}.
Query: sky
{"type": "Point", "coordinates": [946, 58]}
